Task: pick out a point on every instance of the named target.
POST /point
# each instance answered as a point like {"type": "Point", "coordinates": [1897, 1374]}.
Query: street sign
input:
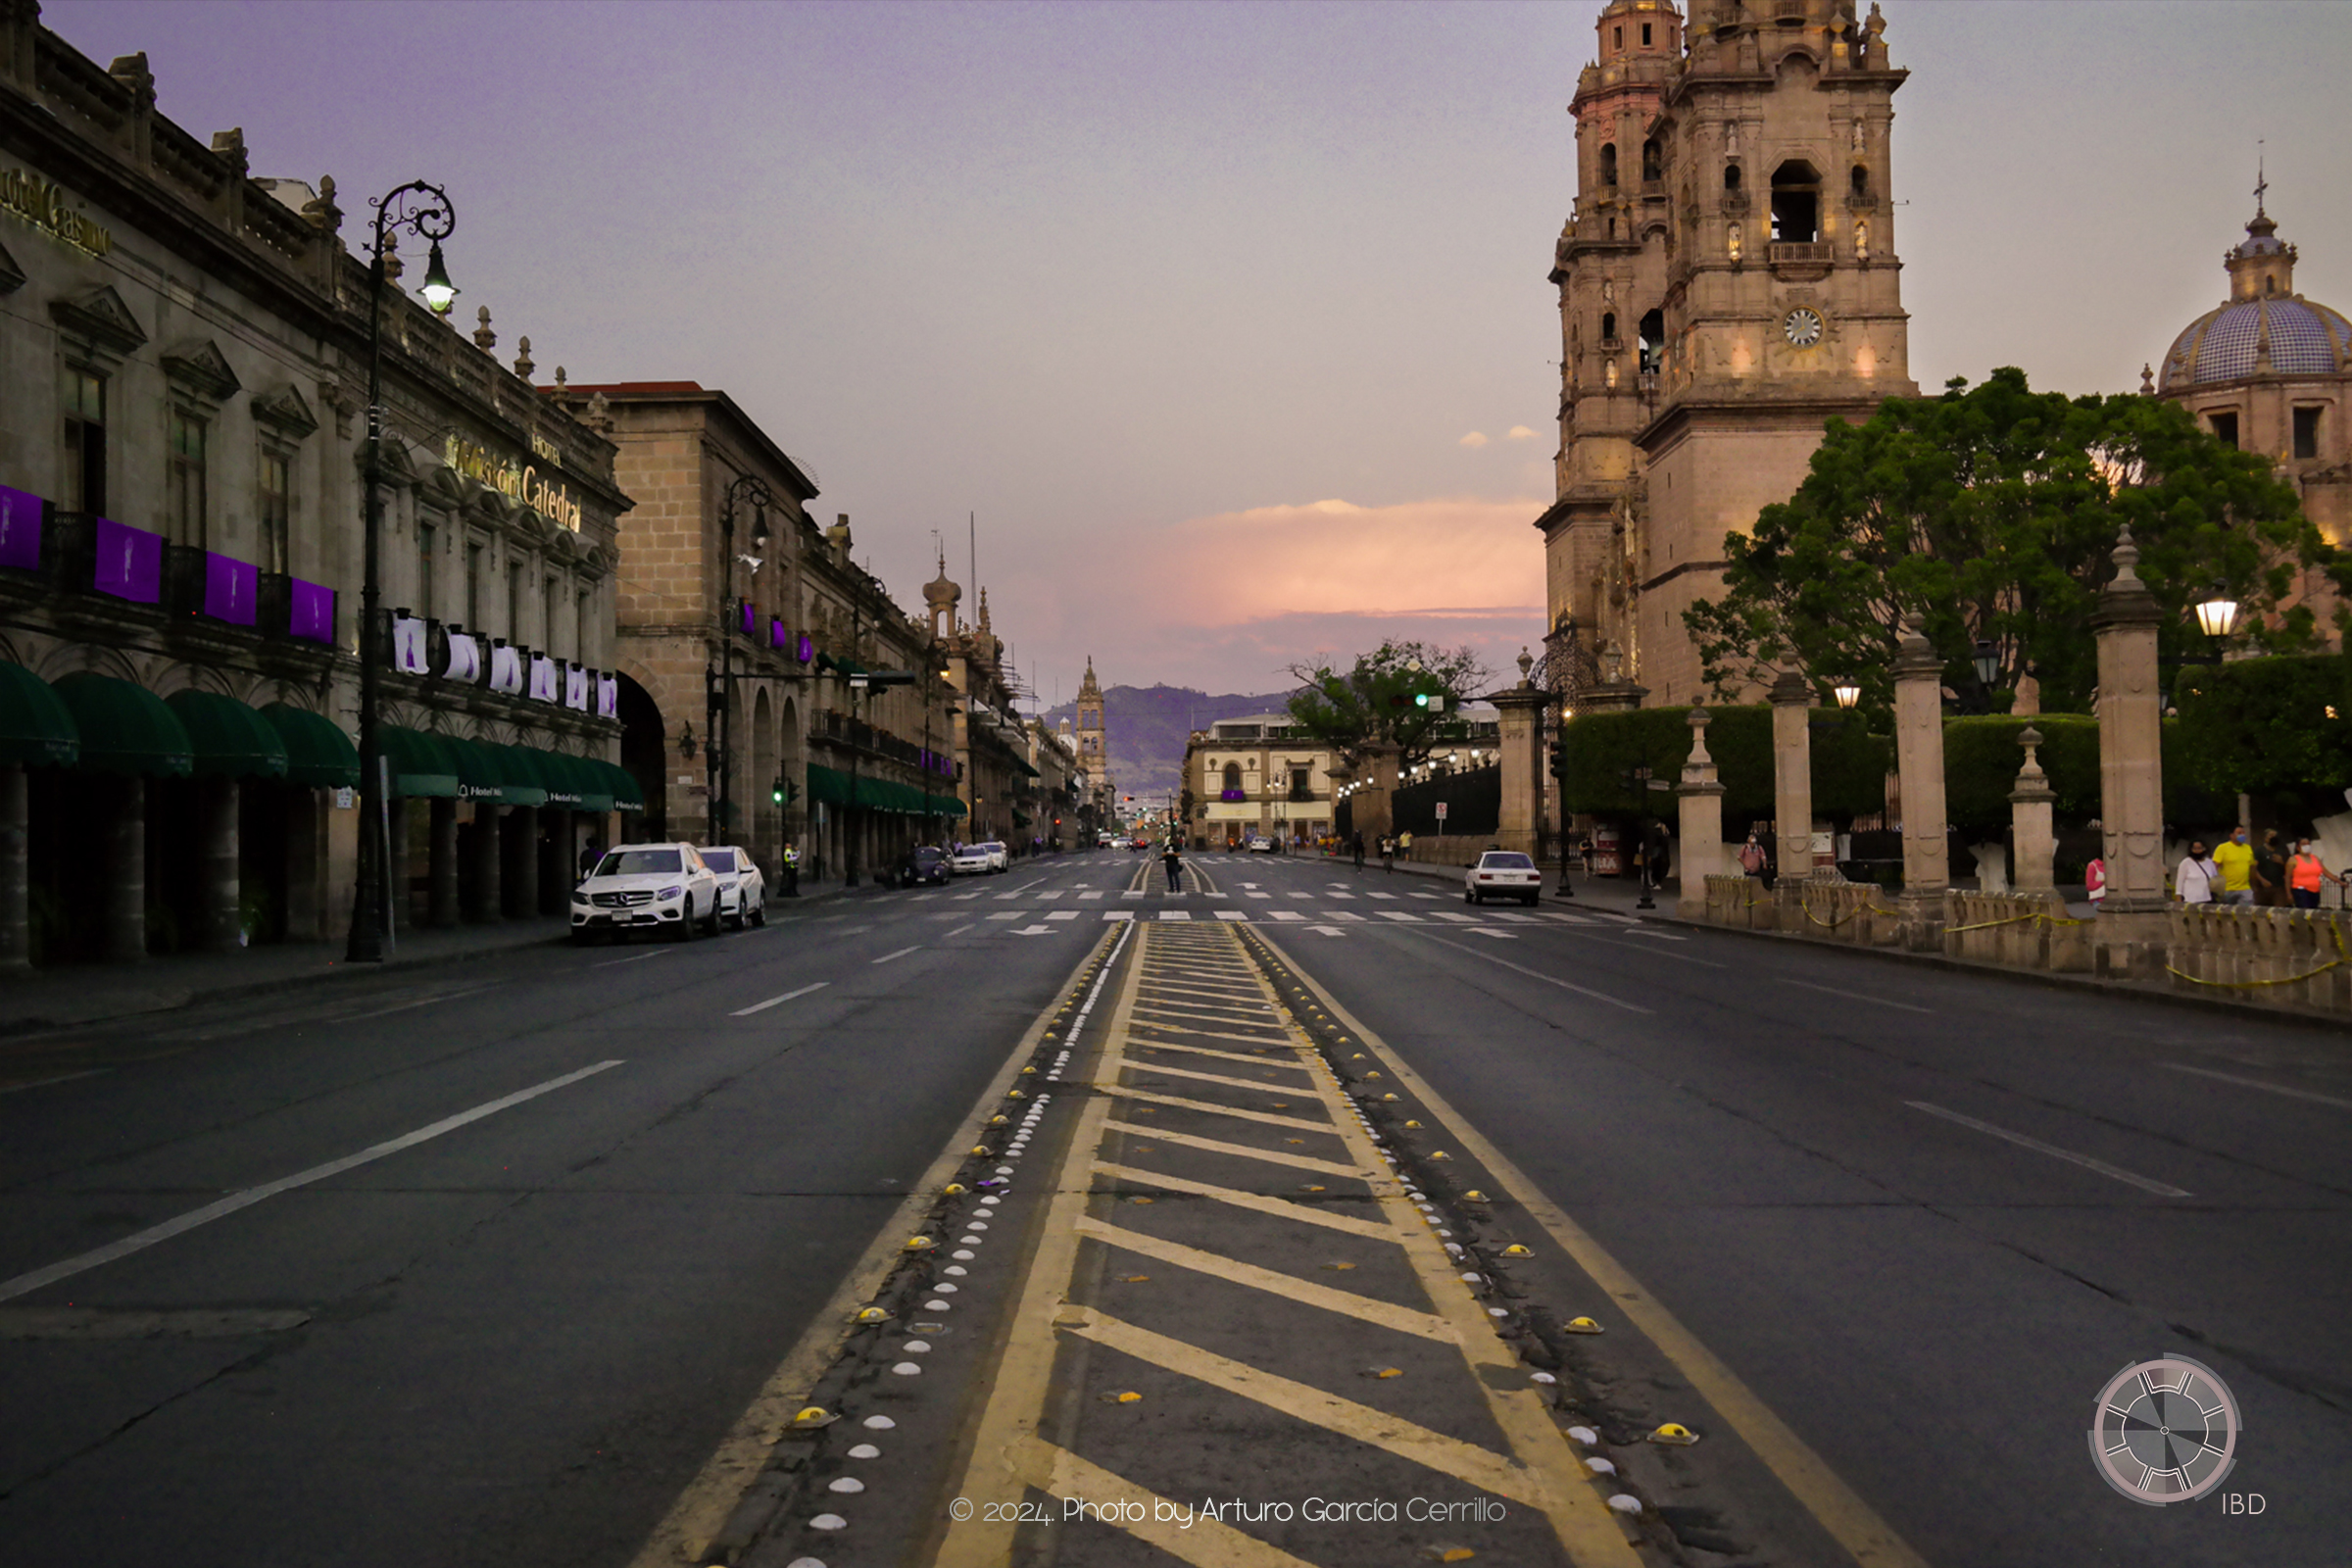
{"type": "Point", "coordinates": [1661, 783]}
{"type": "Point", "coordinates": [1441, 810]}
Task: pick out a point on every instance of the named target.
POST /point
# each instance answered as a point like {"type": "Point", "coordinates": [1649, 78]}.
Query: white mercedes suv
{"type": "Point", "coordinates": [641, 887]}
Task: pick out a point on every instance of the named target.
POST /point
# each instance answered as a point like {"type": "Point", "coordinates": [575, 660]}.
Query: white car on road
{"type": "Point", "coordinates": [1504, 873]}
{"type": "Point", "coordinates": [742, 890]}
{"type": "Point", "coordinates": [646, 887]}
{"type": "Point", "coordinates": [973, 859]}
{"type": "Point", "coordinates": [1000, 858]}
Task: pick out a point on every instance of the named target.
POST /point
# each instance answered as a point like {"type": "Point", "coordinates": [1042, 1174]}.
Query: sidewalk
{"type": "Point", "coordinates": [95, 993]}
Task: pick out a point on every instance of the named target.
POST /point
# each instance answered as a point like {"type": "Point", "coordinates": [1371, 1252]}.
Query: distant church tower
{"type": "Point", "coordinates": [1728, 282]}
{"type": "Point", "coordinates": [1094, 748]}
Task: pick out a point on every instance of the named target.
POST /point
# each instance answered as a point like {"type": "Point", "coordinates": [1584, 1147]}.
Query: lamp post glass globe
{"type": "Point", "coordinates": [438, 291]}
{"type": "Point", "coordinates": [1987, 658]}
{"type": "Point", "coordinates": [1848, 691]}
{"type": "Point", "coordinates": [2216, 616]}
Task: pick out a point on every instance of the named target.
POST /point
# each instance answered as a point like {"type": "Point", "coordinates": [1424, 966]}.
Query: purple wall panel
{"type": "Point", "coordinates": [230, 589]}
{"type": "Point", "coordinates": [131, 563]}
{"type": "Point", "coordinates": [19, 529]}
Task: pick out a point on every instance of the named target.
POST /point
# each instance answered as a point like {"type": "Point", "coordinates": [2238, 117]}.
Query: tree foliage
{"type": "Point", "coordinates": [2263, 725]}
{"type": "Point", "coordinates": [1990, 511]}
{"type": "Point", "coordinates": [1371, 702]}
{"type": "Point", "coordinates": [1849, 764]}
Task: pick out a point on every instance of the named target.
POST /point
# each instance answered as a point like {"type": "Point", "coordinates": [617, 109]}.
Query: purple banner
{"type": "Point", "coordinates": [310, 613]}
{"type": "Point", "coordinates": [607, 696]}
{"type": "Point", "coordinates": [230, 588]}
{"type": "Point", "coordinates": [777, 636]}
{"type": "Point", "coordinates": [750, 620]}
{"type": "Point", "coordinates": [543, 679]}
{"type": "Point", "coordinates": [131, 563]}
{"type": "Point", "coordinates": [804, 649]}
{"type": "Point", "coordinates": [19, 529]}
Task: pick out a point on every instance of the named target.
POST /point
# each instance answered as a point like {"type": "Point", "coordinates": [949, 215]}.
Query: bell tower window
{"type": "Point", "coordinates": [1795, 203]}
{"type": "Point", "coordinates": [1653, 342]}
{"type": "Point", "coordinates": [1731, 176]}
{"type": "Point", "coordinates": [1608, 326]}
{"type": "Point", "coordinates": [1653, 167]}
{"type": "Point", "coordinates": [1645, 35]}
{"type": "Point", "coordinates": [2307, 432]}
{"type": "Point", "coordinates": [1861, 181]}
{"type": "Point", "coordinates": [2225, 426]}
{"type": "Point", "coordinates": [1608, 164]}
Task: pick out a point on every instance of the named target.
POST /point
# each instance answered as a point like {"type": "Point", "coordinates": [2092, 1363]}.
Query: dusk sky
{"type": "Point", "coordinates": [1229, 321]}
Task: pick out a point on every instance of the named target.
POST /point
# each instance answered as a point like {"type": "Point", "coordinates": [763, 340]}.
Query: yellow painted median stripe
{"type": "Point", "coordinates": [1224, 1080]}
{"type": "Point", "coordinates": [1213, 1146]}
{"type": "Point", "coordinates": [1280, 1208]}
{"type": "Point", "coordinates": [1202, 1540]}
{"type": "Point", "coordinates": [1216, 1265]}
{"type": "Point", "coordinates": [1265, 1116]}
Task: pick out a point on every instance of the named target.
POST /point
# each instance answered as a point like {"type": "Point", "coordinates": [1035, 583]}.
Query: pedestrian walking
{"type": "Point", "coordinates": [1752, 858]}
{"type": "Point", "coordinates": [1404, 844]}
{"type": "Point", "coordinates": [2305, 873]}
{"type": "Point", "coordinates": [791, 863]}
{"type": "Point", "coordinates": [1388, 855]}
{"type": "Point", "coordinates": [1174, 862]}
{"type": "Point", "coordinates": [2269, 871]}
{"type": "Point", "coordinates": [2094, 883]}
{"type": "Point", "coordinates": [1355, 847]}
{"type": "Point", "coordinates": [2235, 861]}
{"type": "Point", "coordinates": [590, 853]}
{"type": "Point", "coordinates": [2196, 878]}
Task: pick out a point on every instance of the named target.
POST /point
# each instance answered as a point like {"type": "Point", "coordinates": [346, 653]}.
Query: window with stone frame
{"type": "Point", "coordinates": [84, 465]}
{"type": "Point", "coordinates": [426, 536]}
{"type": "Point", "coordinates": [274, 510]}
{"type": "Point", "coordinates": [184, 487]}
{"type": "Point", "coordinates": [515, 596]}
{"type": "Point", "coordinates": [2307, 433]}
{"type": "Point", "coordinates": [477, 557]}
{"type": "Point", "coordinates": [2224, 424]}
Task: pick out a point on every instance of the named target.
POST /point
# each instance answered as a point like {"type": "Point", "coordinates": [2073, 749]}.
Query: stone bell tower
{"type": "Point", "coordinates": [1727, 283]}
{"type": "Point", "coordinates": [1094, 752]}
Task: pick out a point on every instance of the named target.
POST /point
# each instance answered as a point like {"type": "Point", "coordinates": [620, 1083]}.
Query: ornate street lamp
{"type": "Point", "coordinates": [422, 210]}
{"type": "Point", "coordinates": [1848, 691]}
{"type": "Point", "coordinates": [1986, 657]}
{"type": "Point", "coordinates": [2216, 617]}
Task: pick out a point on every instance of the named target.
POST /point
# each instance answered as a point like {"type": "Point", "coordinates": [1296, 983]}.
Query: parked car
{"type": "Point", "coordinates": [1000, 858]}
{"type": "Point", "coordinates": [742, 889]}
{"type": "Point", "coordinates": [1505, 873]}
{"type": "Point", "coordinates": [642, 887]}
{"type": "Point", "coordinates": [973, 859]}
{"type": "Point", "coordinates": [1261, 845]}
{"type": "Point", "coordinates": [923, 864]}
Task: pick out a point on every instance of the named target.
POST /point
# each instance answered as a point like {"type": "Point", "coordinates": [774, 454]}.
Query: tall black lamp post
{"type": "Point", "coordinates": [424, 211]}
{"type": "Point", "coordinates": [750, 490]}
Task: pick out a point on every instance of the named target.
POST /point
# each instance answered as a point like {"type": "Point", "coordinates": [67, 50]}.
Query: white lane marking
{"type": "Point", "coordinates": [1008, 914]}
{"type": "Point", "coordinates": [1535, 974]}
{"type": "Point", "coordinates": [1175, 914]}
{"type": "Point", "coordinates": [1570, 919]}
{"type": "Point", "coordinates": [1368, 895]}
{"type": "Point", "coordinates": [1489, 931]}
{"type": "Point", "coordinates": [958, 931]}
{"type": "Point", "coordinates": [1289, 914]}
{"type": "Point", "coordinates": [1061, 914]}
{"type": "Point", "coordinates": [1261, 895]}
{"type": "Point", "coordinates": [2052, 1150]}
{"type": "Point", "coordinates": [1084, 897]}
{"type": "Point", "coordinates": [1455, 915]}
{"type": "Point", "coordinates": [1233, 914]}
{"type": "Point", "coordinates": [1131, 893]}
{"type": "Point", "coordinates": [1401, 916]}
{"type": "Point", "coordinates": [1342, 915]}
{"type": "Point", "coordinates": [1850, 996]}
{"type": "Point", "coordinates": [1517, 919]}
{"type": "Point", "coordinates": [1054, 894]}
{"type": "Point", "coordinates": [961, 897]}
{"type": "Point", "coordinates": [26, 1283]}
{"type": "Point", "coordinates": [1653, 931]}
{"type": "Point", "coordinates": [900, 954]}
{"type": "Point", "coordinates": [1343, 895]}
{"type": "Point", "coordinates": [762, 1007]}
{"type": "Point", "coordinates": [1326, 930]}
{"type": "Point", "coordinates": [1035, 930]}
{"type": "Point", "coordinates": [1424, 894]}
{"type": "Point", "coordinates": [1119, 915]}
{"type": "Point", "coordinates": [637, 957]}
{"type": "Point", "coordinates": [1298, 895]}
{"type": "Point", "coordinates": [2312, 1095]}
{"type": "Point", "coordinates": [43, 1082]}
{"type": "Point", "coordinates": [1014, 894]}
{"type": "Point", "coordinates": [422, 1001]}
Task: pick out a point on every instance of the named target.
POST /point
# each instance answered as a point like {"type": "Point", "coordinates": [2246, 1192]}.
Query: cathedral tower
{"type": "Point", "coordinates": [1727, 283]}
{"type": "Point", "coordinates": [1093, 754]}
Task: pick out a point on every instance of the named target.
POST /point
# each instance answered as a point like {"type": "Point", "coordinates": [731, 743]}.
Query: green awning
{"type": "Point", "coordinates": [557, 776]}
{"type": "Point", "coordinates": [126, 728]}
{"type": "Point", "coordinates": [35, 726]}
{"type": "Point", "coordinates": [231, 740]}
{"type": "Point", "coordinates": [1022, 764]}
{"type": "Point", "coordinates": [422, 766]}
{"type": "Point", "coordinates": [827, 786]}
{"type": "Point", "coordinates": [627, 794]}
{"type": "Point", "coordinates": [944, 805]}
{"type": "Point", "coordinates": [521, 782]}
{"type": "Point", "coordinates": [317, 751]}
{"type": "Point", "coordinates": [584, 787]}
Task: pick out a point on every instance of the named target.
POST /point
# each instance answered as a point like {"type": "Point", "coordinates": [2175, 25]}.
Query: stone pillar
{"type": "Point", "coordinates": [1701, 801]}
{"type": "Point", "coordinates": [122, 890]}
{"type": "Point", "coordinates": [487, 905]}
{"type": "Point", "coordinates": [1919, 763]}
{"type": "Point", "coordinates": [520, 828]}
{"type": "Point", "coordinates": [1792, 773]}
{"type": "Point", "coordinates": [223, 890]}
{"type": "Point", "coordinates": [1374, 815]}
{"type": "Point", "coordinates": [2131, 928]}
{"type": "Point", "coordinates": [441, 862]}
{"type": "Point", "coordinates": [396, 880]}
{"type": "Point", "coordinates": [306, 862]}
{"type": "Point", "coordinates": [2033, 837]}
{"type": "Point", "coordinates": [1521, 824]}
{"type": "Point", "coordinates": [15, 896]}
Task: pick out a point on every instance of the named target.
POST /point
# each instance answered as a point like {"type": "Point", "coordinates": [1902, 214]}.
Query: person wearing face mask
{"type": "Point", "coordinates": [2235, 861]}
{"type": "Point", "coordinates": [2197, 879]}
{"type": "Point", "coordinates": [2305, 873]}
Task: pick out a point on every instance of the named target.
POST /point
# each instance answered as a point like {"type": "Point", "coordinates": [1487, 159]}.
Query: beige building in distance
{"type": "Point", "coordinates": [1728, 282]}
{"type": "Point", "coordinates": [1257, 776]}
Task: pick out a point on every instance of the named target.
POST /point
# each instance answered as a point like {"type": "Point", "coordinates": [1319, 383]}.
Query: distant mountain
{"type": "Point", "coordinates": [1149, 725]}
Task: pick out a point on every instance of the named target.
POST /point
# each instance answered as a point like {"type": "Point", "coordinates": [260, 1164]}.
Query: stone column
{"type": "Point", "coordinates": [1792, 773]}
{"type": "Point", "coordinates": [521, 826]}
{"type": "Point", "coordinates": [306, 862]}
{"type": "Point", "coordinates": [1701, 802]}
{"type": "Point", "coordinates": [397, 881]}
{"type": "Point", "coordinates": [2131, 929]}
{"type": "Point", "coordinates": [2033, 839]}
{"type": "Point", "coordinates": [1919, 763]}
{"type": "Point", "coordinates": [122, 890]}
{"type": "Point", "coordinates": [1374, 815]}
{"type": "Point", "coordinates": [1521, 824]}
{"type": "Point", "coordinates": [223, 912]}
{"type": "Point", "coordinates": [15, 896]}
{"type": "Point", "coordinates": [441, 862]}
{"type": "Point", "coordinates": [487, 905]}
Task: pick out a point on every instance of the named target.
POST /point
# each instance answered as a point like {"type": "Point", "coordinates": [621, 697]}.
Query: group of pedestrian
{"type": "Point", "coordinates": [2239, 872]}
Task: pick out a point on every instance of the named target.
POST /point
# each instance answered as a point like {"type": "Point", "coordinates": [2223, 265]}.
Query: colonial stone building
{"type": "Point", "coordinates": [1002, 789]}
{"type": "Point", "coordinates": [1094, 748]}
{"type": "Point", "coordinates": [2268, 370]}
{"type": "Point", "coordinates": [746, 637]}
{"type": "Point", "coordinates": [1257, 776]}
{"type": "Point", "coordinates": [185, 350]}
{"type": "Point", "coordinates": [1728, 282]}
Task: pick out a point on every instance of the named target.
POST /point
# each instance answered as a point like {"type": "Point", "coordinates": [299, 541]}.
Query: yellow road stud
{"type": "Point", "coordinates": [1384, 1372]}
{"type": "Point", "coordinates": [1582, 1325]}
{"type": "Point", "coordinates": [1474, 1196]}
{"type": "Point", "coordinates": [918, 1243]}
{"type": "Point", "coordinates": [1516, 1250]}
{"type": "Point", "coordinates": [871, 1314]}
{"type": "Point", "coordinates": [1675, 1435]}
{"type": "Point", "coordinates": [811, 1417]}
{"type": "Point", "coordinates": [1441, 1154]}
{"type": "Point", "coordinates": [1413, 1125]}
{"type": "Point", "coordinates": [953, 1188]}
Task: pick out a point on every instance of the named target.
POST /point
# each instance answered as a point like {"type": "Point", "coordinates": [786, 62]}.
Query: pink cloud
{"type": "Point", "coordinates": [1447, 559]}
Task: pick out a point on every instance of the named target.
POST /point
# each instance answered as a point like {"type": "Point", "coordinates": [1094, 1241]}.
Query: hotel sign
{"type": "Point", "coordinates": [522, 481]}
{"type": "Point", "coordinates": [43, 204]}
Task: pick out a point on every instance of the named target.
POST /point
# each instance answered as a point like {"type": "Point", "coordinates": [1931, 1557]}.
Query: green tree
{"type": "Point", "coordinates": [1376, 700]}
{"type": "Point", "coordinates": [1989, 512]}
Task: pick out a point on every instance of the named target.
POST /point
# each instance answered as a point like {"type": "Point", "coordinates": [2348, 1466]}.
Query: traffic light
{"type": "Point", "coordinates": [1559, 758]}
{"type": "Point", "coordinates": [783, 790]}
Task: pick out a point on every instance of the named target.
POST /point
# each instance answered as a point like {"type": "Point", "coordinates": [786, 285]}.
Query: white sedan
{"type": "Point", "coordinates": [742, 889]}
{"type": "Point", "coordinates": [973, 859]}
{"type": "Point", "coordinates": [1000, 858]}
{"type": "Point", "coordinates": [1504, 873]}
{"type": "Point", "coordinates": [640, 887]}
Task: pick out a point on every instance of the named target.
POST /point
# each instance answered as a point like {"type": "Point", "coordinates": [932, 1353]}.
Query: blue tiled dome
{"type": "Point", "coordinates": [2306, 339]}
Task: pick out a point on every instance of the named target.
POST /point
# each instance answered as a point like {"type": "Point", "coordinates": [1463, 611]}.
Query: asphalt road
{"type": "Point", "coordinates": [518, 1339]}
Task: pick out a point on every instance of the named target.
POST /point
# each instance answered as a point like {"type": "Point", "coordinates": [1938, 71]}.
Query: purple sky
{"type": "Point", "coordinates": [1195, 306]}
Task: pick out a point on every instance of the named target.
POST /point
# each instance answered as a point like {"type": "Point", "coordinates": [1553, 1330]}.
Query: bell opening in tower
{"type": "Point", "coordinates": [1653, 342]}
{"type": "Point", "coordinates": [1608, 163]}
{"type": "Point", "coordinates": [1795, 203]}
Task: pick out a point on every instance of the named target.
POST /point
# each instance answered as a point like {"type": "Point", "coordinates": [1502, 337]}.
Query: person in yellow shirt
{"type": "Point", "coordinates": [2235, 861]}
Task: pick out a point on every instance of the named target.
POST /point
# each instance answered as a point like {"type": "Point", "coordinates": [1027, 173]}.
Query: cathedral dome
{"type": "Point", "coordinates": [2265, 329]}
